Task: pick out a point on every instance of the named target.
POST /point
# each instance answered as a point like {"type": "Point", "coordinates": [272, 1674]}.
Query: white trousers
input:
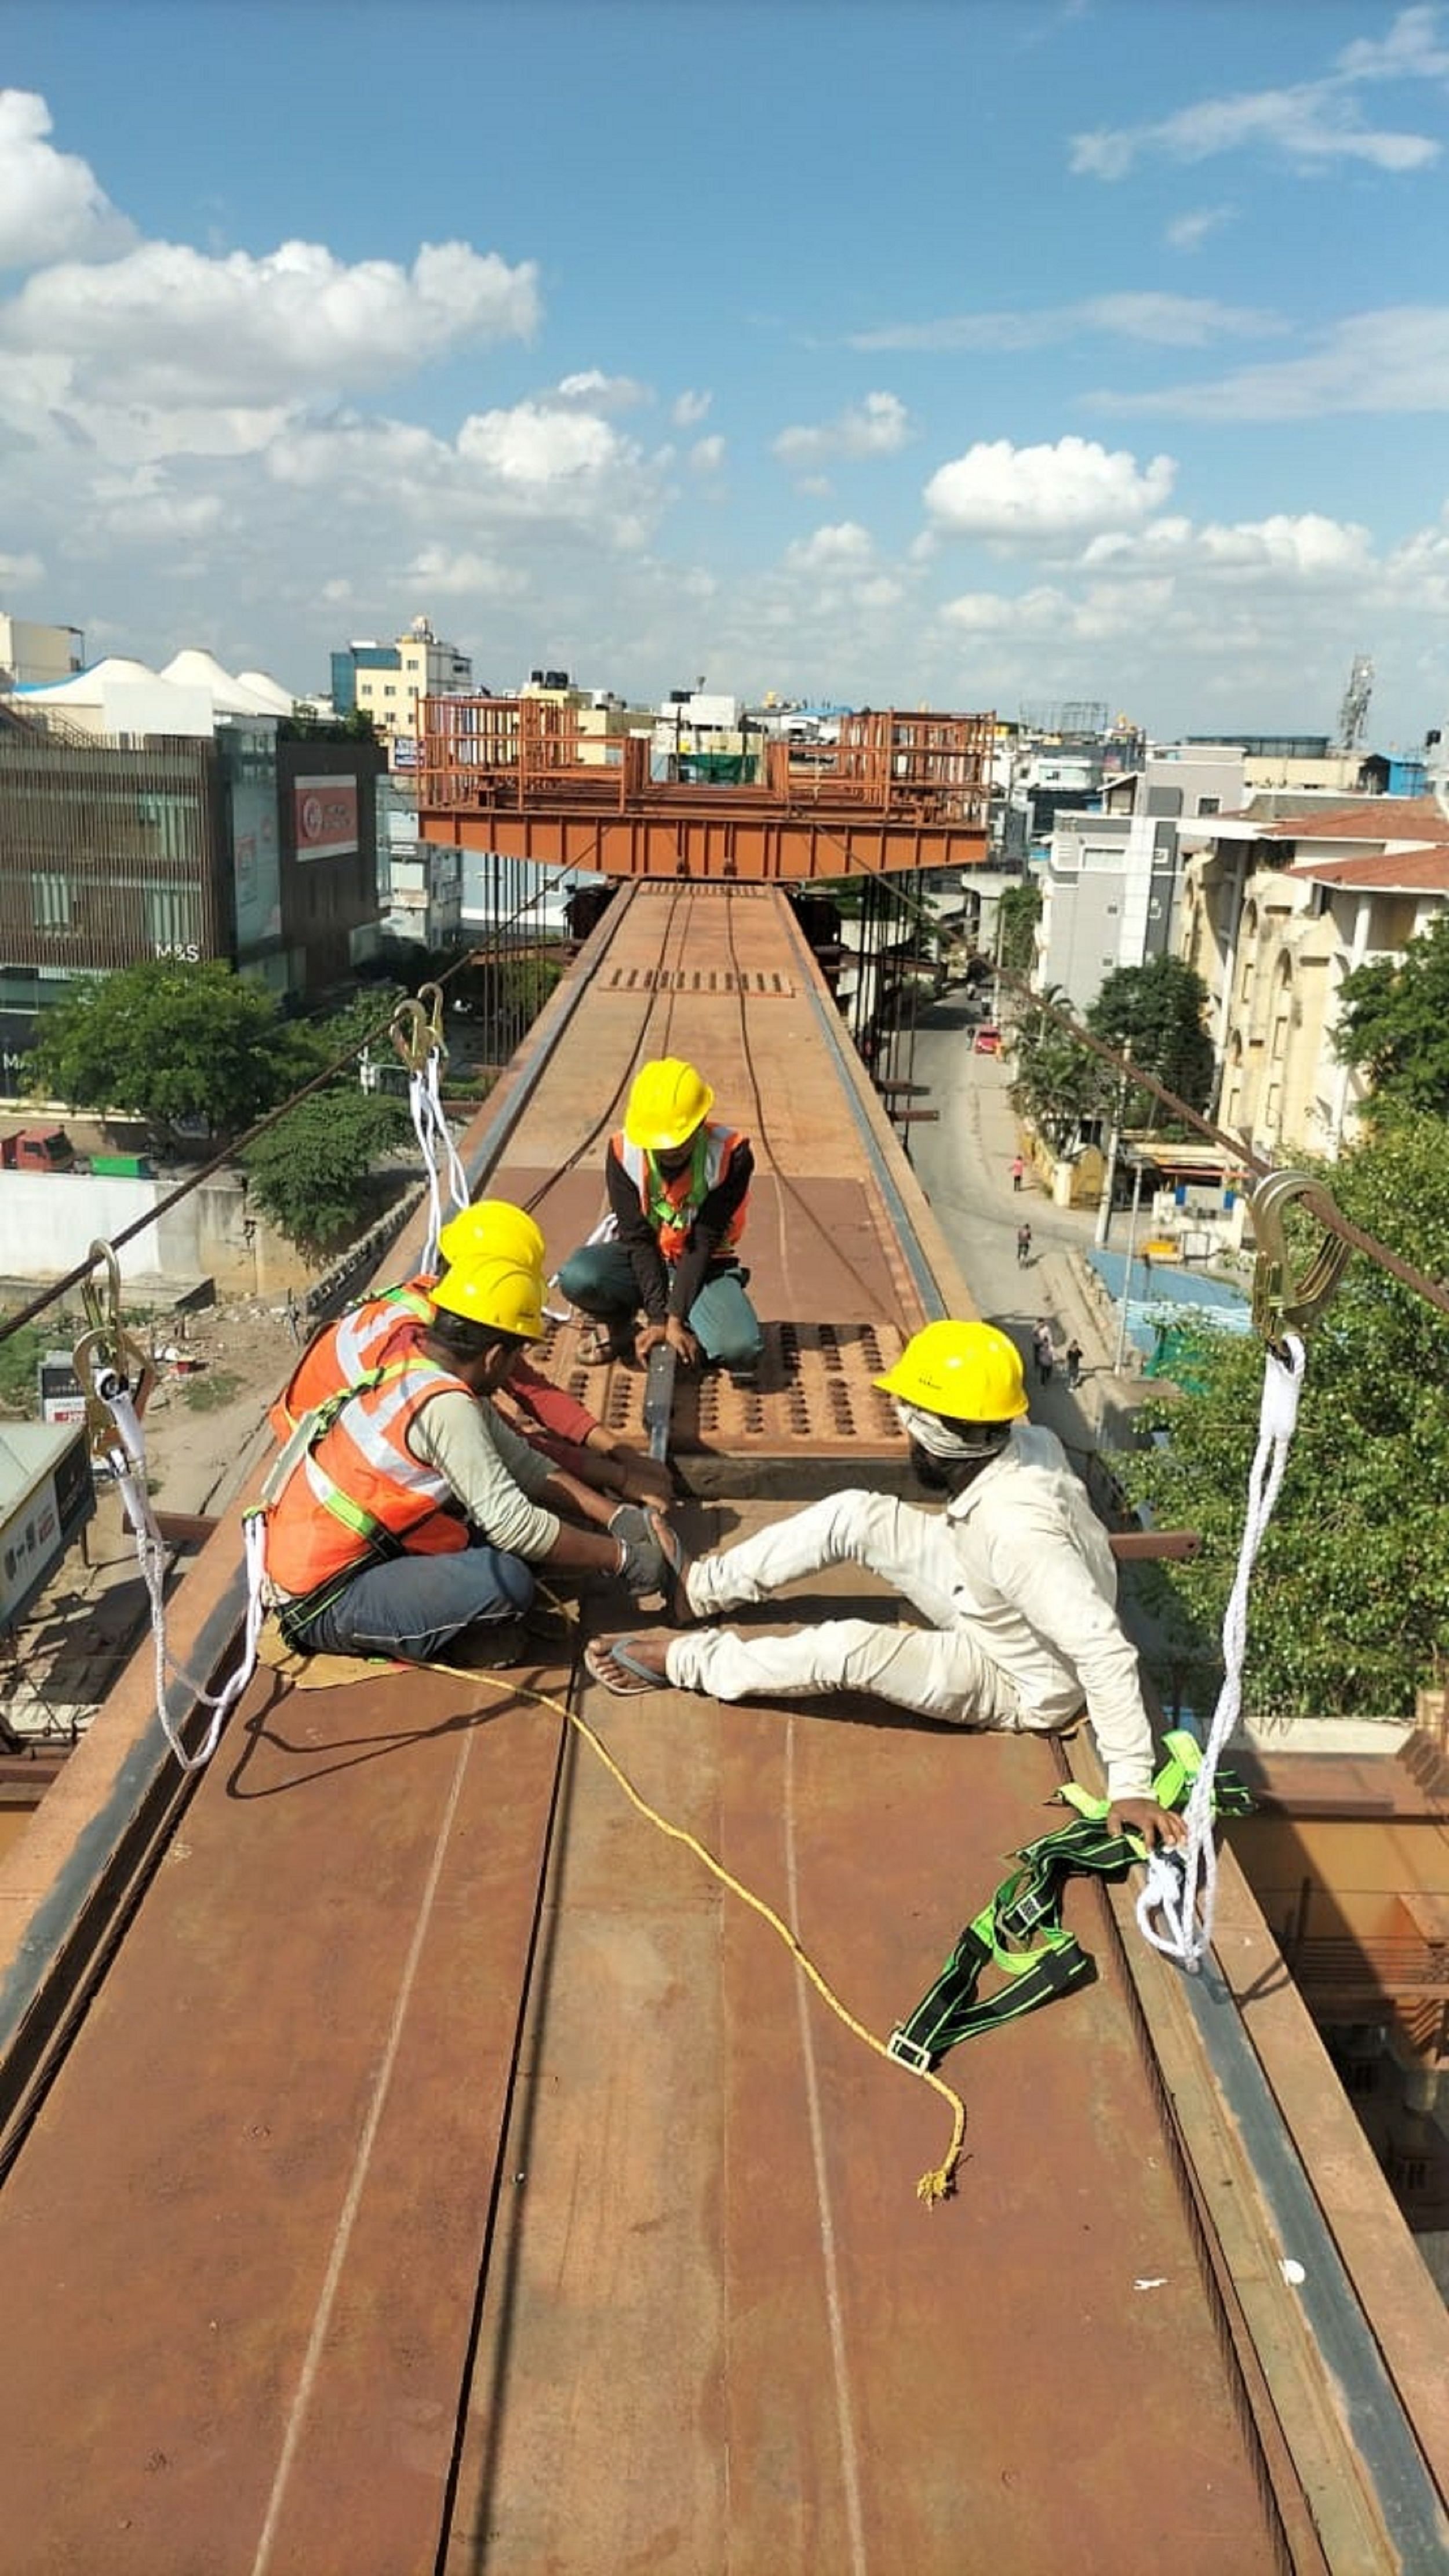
{"type": "Point", "coordinates": [939, 1670]}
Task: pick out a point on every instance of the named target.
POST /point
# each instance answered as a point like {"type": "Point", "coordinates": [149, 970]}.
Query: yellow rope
{"type": "Point", "coordinates": [940, 2182]}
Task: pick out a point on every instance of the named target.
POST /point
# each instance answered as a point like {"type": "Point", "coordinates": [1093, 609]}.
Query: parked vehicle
{"type": "Point", "coordinates": [37, 1149]}
{"type": "Point", "coordinates": [988, 1041]}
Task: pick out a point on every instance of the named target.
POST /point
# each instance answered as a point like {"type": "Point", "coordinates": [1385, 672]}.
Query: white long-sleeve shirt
{"type": "Point", "coordinates": [1038, 1582]}
{"type": "Point", "coordinates": [495, 1475]}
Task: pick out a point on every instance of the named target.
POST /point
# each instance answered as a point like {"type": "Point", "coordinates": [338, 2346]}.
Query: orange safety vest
{"type": "Point", "coordinates": [344, 1353]}
{"type": "Point", "coordinates": [672, 1206]}
{"type": "Point", "coordinates": [359, 1491]}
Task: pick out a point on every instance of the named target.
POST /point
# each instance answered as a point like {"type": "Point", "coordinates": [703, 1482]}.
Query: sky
{"type": "Point", "coordinates": [978, 354]}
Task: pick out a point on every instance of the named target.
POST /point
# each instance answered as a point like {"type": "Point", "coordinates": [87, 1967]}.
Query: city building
{"type": "Point", "coordinates": [1111, 883]}
{"type": "Point", "coordinates": [31, 654]}
{"type": "Point", "coordinates": [1277, 910]}
{"type": "Point", "coordinates": [390, 681]}
{"type": "Point", "coordinates": [137, 819]}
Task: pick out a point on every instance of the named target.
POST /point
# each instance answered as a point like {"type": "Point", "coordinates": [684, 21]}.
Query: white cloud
{"type": "Point", "coordinates": [603, 393]}
{"type": "Point", "coordinates": [707, 455]}
{"type": "Point", "coordinates": [690, 409]}
{"type": "Point", "coordinates": [1164, 321]}
{"type": "Point", "coordinates": [465, 574]}
{"type": "Point", "coordinates": [166, 325]}
{"type": "Point", "coordinates": [1032, 493]}
{"type": "Point", "coordinates": [1308, 126]}
{"type": "Point", "coordinates": [843, 549]}
{"type": "Point", "coordinates": [50, 203]}
{"type": "Point", "coordinates": [17, 571]}
{"type": "Point", "coordinates": [1189, 232]}
{"type": "Point", "coordinates": [1395, 360]}
{"type": "Point", "coordinates": [877, 427]}
{"type": "Point", "coordinates": [1301, 550]}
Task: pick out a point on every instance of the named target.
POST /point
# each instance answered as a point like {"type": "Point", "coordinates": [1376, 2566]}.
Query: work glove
{"type": "Point", "coordinates": [645, 1567]}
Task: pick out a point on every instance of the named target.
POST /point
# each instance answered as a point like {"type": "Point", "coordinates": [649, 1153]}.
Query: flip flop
{"type": "Point", "coordinates": [676, 1597]}
{"type": "Point", "coordinates": [599, 1347]}
{"type": "Point", "coordinates": [619, 1650]}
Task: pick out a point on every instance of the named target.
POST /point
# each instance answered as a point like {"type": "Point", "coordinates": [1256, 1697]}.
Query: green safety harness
{"type": "Point", "coordinates": [1021, 1932]}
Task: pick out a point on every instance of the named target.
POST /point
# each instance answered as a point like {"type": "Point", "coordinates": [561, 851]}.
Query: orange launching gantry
{"type": "Point", "coordinates": [521, 776]}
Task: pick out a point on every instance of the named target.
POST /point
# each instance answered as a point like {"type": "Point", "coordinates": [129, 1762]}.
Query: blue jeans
{"type": "Point", "coordinates": [414, 1606]}
{"type": "Point", "coordinates": [599, 1280]}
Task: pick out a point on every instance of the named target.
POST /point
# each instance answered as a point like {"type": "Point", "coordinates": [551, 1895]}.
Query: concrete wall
{"type": "Point", "coordinates": [49, 1220]}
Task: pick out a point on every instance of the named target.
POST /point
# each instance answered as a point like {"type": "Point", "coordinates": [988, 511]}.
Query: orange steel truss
{"type": "Point", "coordinates": [521, 776]}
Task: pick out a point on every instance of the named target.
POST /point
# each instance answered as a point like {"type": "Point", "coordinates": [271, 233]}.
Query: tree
{"type": "Point", "coordinates": [313, 1172]}
{"type": "Point", "coordinates": [1057, 1083]}
{"type": "Point", "coordinates": [168, 1041]}
{"type": "Point", "coordinates": [1018, 911]}
{"type": "Point", "coordinates": [1394, 1027]}
{"type": "Point", "coordinates": [1160, 1011]}
{"type": "Point", "coordinates": [1349, 1611]}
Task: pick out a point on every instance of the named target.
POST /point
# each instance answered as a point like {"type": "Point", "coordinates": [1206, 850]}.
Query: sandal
{"type": "Point", "coordinates": [639, 1677]}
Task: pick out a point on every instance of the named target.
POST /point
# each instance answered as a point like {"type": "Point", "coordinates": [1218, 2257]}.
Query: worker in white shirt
{"type": "Point", "coordinates": [1015, 1580]}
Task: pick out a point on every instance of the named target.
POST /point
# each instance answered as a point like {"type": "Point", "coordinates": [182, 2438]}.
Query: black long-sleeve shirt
{"type": "Point", "coordinates": [670, 1288]}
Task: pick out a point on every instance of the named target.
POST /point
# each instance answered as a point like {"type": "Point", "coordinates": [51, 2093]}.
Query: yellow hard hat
{"type": "Point", "coordinates": [506, 1295]}
{"type": "Point", "coordinates": [492, 1226]}
{"type": "Point", "coordinates": [970, 1372]}
{"type": "Point", "coordinates": [666, 1104]}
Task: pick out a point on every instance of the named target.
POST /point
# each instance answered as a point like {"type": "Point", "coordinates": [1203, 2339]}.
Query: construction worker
{"type": "Point", "coordinates": [410, 1520]}
{"type": "Point", "coordinates": [549, 1418]}
{"type": "Point", "coordinates": [1015, 1581]}
{"type": "Point", "coordinates": [677, 1184]}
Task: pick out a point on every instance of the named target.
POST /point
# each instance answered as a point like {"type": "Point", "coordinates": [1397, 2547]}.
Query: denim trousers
{"type": "Point", "coordinates": [599, 1280]}
{"type": "Point", "coordinates": [414, 1606]}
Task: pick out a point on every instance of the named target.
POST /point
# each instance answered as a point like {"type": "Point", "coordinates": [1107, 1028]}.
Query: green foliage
{"type": "Point", "coordinates": [1395, 1026]}
{"type": "Point", "coordinates": [1349, 1611]}
{"type": "Point", "coordinates": [1017, 914]}
{"type": "Point", "coordinates": [209, 1393]}
{"type": "Point", "coordinates": [1057, 1084]}
{"type": "Point", "coordinates": [166, 1041]}
{"type": "Point", "coordinates": [19, 1360]}
{"type": "Point", "coordinates": [305, 725]}
{"type": "Point", "coordinates": [312, 1172]}
{"type": "Point", "coordinates": [1160, 1010]}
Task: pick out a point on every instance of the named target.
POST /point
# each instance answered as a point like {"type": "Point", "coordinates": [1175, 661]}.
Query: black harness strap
{"type": "Point", "coordinates": [1021, 1933]}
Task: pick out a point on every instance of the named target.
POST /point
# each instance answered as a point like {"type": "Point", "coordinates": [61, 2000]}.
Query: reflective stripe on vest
{"type": "Point", "coordinates": [672, 1206]}
{"type": "Point", "coordinates": [361, 1481]}
{"type": "Point", "coordinates": [342, 1354]}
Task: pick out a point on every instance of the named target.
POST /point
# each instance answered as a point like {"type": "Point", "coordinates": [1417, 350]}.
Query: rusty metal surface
{"type": "Point", "coordinates": [719, 2330]}
{"type": "Point", "coordinates": [240, 2248]}
{"type": "Point", "coordinates": [301, 2270]}
{"type": "Point", "coordinates": [521, 776]}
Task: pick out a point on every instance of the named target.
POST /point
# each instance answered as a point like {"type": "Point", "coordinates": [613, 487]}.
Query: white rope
{"type": "Point", "coordinates": [127, 1463]}
{"type": "Point", "coordinates": [1173, 1880]}
{"type": "Point", "coordinates": [434, 1137]}
{"type": "Point", "coordinates": [604, 1232]}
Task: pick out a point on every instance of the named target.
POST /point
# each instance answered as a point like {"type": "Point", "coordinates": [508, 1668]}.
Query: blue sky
{"type": "Point", "coordinates": [965, 354]}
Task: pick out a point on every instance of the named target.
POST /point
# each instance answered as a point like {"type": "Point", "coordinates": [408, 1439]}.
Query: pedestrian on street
{"type": "Point", "coordinates": [1023, 1244]}
{"type": "Point", "coordinates": [1014, 1581]}
{"type": "Point", "coordinates": [1041, 1343]}
{"type": "Point", "coordinates": [1018, 1171]}
{"type": "Point", "coordinates": [1074, 1362]}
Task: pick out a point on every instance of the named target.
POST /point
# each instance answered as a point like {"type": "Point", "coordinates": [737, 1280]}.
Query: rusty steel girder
{"type": "Point", "coordinates": [522, 777]}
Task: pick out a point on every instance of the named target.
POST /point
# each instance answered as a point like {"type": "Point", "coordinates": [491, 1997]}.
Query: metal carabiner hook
{"type": "Point", "coordinates": [417, 1028]}
{"type": "Point", "coordinates": [1281, 1296]}
{"type": "Point", "coordinates": [107, 1360]}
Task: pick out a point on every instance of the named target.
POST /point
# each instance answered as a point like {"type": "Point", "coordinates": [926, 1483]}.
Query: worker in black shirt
{"type": "Point", "coordinates": [678, 1183]}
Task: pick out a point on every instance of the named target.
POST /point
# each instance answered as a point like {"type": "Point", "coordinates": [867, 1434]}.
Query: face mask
{"type": "Point", "coordinates": [945, 1441]}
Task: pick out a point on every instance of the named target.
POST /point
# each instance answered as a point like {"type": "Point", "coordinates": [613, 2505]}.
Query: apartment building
{"type": "Point", "coordinates": [390, 681]}
{"type": "Point", "coordinates": [1278, 909]}
{"type": "Point", "coordinates": [1112, 880]}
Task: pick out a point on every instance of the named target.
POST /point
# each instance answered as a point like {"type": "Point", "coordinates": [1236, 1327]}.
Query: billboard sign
{"type": "Point", "coordinates": [325, 812]}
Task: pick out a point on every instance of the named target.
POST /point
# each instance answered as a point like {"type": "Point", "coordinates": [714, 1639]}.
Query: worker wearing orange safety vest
{"type": "Point", "coordinates": [678, 1185]}
{"type": "Point", "coordinates": [405, 1518]}
{"type": "Point", "coordinates": [379, 1328]}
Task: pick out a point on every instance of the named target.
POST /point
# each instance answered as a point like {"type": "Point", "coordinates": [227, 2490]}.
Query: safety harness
{"type": "Point", "coordinates": [1021, 1933]}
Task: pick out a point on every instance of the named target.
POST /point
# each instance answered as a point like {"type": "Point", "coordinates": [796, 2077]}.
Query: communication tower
{"type": "Point", "coordinates": [1353, 714]}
